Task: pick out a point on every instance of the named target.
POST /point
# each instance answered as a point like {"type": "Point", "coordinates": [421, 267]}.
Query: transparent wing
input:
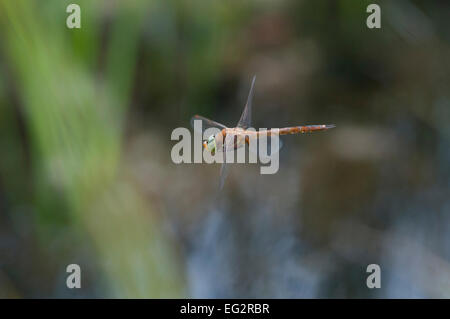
{"type": "Point", "coordinates": [268, 151]}
{"type": "Point", "coordinates": [264, 146]}
{"type": "Point", "coordinates": [246, 117]}
{"type": "Point", "coordinates": [205, 124]}
{"type": "Point", "coordinates": [227, 147]}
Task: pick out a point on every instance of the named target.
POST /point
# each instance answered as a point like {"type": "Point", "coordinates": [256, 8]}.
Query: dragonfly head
{"type": "Point", "coordinates": [210, 144]}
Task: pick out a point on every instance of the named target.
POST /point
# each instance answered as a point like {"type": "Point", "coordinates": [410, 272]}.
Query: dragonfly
{"type": "Point", "coordinates": [232, 138]}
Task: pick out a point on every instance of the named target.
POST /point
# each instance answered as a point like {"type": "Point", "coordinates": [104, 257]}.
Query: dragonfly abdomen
{"type": "Point", "coordinates": [282, 131]}
{"type": "Point", "coordinates": [304, 129]}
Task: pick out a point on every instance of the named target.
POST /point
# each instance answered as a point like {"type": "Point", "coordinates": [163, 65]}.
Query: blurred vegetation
{"type": "Point", "coordinates": [74, 126]}
{"type": "Point", "coordinates": [86, 175]}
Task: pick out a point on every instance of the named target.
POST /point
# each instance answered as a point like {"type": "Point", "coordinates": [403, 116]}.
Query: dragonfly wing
{"type": "Point", "coordinates": [269, 150]}
{"type": "Point", "coordinates": [205, 124]}
{"type": "Point", "coordinates": [223, 174]}
{"type": "Point", "coordinates": [246, 117]}
{"type": "Point", "coordinates": [227, 147]}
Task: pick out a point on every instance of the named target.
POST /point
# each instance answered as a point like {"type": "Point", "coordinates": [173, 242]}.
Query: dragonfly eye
{"type": "Point", "coordinates": [211, 143]}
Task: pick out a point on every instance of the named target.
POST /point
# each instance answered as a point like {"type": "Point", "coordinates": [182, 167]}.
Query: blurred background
{"type": "Point", "coordinates": [86, 175]}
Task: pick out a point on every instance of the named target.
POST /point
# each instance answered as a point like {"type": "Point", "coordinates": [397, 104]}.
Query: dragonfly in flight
{"type": "Point", "coordinates": [231, 138]}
